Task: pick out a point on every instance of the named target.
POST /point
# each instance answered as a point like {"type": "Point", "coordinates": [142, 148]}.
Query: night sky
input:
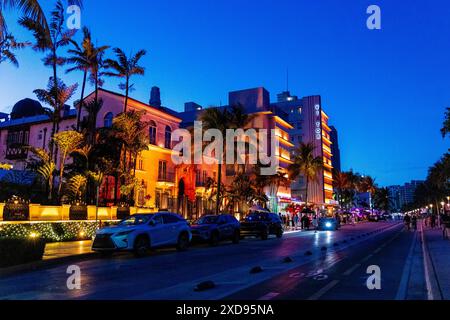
{"type": "Point", "coordinates": [385, 90]}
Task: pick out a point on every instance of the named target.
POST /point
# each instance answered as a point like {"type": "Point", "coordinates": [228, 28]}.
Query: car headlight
{"type": "Point", "coordinates": [124, 233]}
{"type": "Point", "coordinates": [328, 224]}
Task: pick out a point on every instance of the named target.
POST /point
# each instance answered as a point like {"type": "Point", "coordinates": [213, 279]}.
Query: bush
{"type": "Point", "coordinates": [52, 231]}
{"type": "Point", "coordinates": [18, 251]}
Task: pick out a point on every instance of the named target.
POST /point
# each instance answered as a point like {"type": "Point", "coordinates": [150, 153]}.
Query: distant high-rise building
{"type": "Point", "coordinates": [335, 149]}
{"type": "Point", "coordinates": [394, 194]}
{"type": "Point", "coordinates": [403, 195]}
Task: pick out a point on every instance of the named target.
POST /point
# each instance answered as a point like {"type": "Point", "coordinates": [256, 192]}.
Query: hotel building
{"type": "Point", "coordinates": [310, 125]}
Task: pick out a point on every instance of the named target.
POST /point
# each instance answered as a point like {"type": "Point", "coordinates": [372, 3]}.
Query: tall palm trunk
{"type": "Point", "coordinates": [219, 187]}
{"type": "Point", "coordinates": [81, 100]}
{"type": "Point", "coordinates": [127, 83]}
{"type": "Point", "coordinates": [307, 187]}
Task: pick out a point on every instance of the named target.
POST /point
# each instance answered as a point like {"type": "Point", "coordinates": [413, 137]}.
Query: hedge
{"type": "Point", "coordinates": [18, 251]}
{"type": "Point", "coordinates": [51, 231]}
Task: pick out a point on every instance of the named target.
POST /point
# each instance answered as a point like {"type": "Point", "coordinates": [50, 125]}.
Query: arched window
{"type": "Point", "coordinates": [108, 120]}
{"type": "Point", "coordinates": [168, 138]}
{"type": "Point", "coordinates": [152, 133]}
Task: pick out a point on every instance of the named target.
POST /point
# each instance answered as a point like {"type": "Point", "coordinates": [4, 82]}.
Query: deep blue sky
{"type": "Point", "coordinates": [385, 91]}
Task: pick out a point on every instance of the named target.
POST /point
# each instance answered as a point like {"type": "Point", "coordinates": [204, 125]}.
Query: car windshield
{"type": "Point", "coordinates": [208, 220]}
{"type": "Point", "coordinates": [136, 220]}
{"type": "Point", "coordinates": [257, 216]}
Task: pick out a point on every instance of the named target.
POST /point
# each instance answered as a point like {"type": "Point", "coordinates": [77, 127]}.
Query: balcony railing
{"type": "Point", "coordinates": [166, 177]}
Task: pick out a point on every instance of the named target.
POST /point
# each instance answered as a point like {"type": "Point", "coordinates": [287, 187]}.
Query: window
{"type": "Point", "coordinates": [26, 138]}
{"type": "Point", "coordinates": [162, 170]}
{"type": "Point", "coordinates": [108, 120]}
{"type": "Point", "coordinates": [152, 133]}
{"type": "Point", "coordinates": [158, 219]}
{"type": "Point", "coordinates": [168, 138]}
{"type": "Point", "coordinates": [205, 176]}
{"type": "Point", "coordinates": [168, 218]}
{"type": "Point", "coordinates": [198, 176]}
{"type": "Point", "coordinates": [141, 164]}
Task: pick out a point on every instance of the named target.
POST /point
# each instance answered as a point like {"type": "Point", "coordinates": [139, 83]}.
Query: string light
{"type": "Point", "coordinates": [51, 231]}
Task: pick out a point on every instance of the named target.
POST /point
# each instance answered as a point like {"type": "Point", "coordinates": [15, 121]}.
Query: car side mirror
{"type": "Point", "coordinates": [152, 223]}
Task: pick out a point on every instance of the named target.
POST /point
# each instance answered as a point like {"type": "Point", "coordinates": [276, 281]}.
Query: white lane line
{"type": "Point", "coordinates": [367, 258]}
{"type": "Point", "coordinates": [377, 250]}
{"type": "Point", "coordinates": [269, 296]}
{"type": "Point", "coordinates": [324, 290]}
{"type": "Point", "coordinates": [350, 271]}
{"type": "Point", "coordinates": [403, 287]}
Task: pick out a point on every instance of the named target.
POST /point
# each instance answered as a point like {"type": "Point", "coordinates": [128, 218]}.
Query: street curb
{"type": "Point", "coordinates": [43, 264]}
{"type": "Point", "coordinates": [431, 279]}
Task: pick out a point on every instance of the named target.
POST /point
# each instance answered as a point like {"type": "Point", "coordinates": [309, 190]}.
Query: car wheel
{"type": "Point", "coordinates": [264, 234]}
{"type": "Point", "coordinates": [236, 237]}
{"type": "Point", "coordinates": [183, 242]}
{"type": "Point", "coordinates": [279, 234]}
{"type": "Point", "coordinates": [141, 246]}
{"type": "Point", "coordinates": [214, 239]}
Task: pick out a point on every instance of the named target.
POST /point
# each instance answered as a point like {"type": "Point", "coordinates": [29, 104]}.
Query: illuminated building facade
{"type": "Point", "coordinates": [256, 102]}
{"type": "Point", "coordinates": [310, 125]}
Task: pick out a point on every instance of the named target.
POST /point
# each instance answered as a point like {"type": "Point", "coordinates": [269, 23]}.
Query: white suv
{"type": "Point", "coordinates": [141, 232]}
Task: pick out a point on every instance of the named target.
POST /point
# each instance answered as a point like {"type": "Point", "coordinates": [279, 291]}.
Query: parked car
{"type": "Point", "coordinates": [329, 223]}
{"type": "Point", "coordinates": [262, 224]}
{"type": "Point", "coordinates": [139, 233]}
{"type": "Point", "coordinates": [215, 228]}
{"type": "Point", "coordinates": [376, 218]}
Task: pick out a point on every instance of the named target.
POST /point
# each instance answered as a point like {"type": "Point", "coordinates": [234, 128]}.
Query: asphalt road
{"type": "Point", "coordinates": [325, 265]}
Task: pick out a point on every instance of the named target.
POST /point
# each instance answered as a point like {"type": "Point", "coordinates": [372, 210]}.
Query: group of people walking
{"type": "Point", "coordinates": [300, 221]}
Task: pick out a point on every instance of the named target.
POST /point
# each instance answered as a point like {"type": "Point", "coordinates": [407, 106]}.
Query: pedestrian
{"type": "Point", "coordinates": [433, 221]}
{"type": "Point", "coordinates": [315, 223]}
{"type": "Point", "coordinates": [407, 221]}
{"type": "Point", "coordinates": [295, 221]}
{"type": "Point", "coordinates": [414, 222]}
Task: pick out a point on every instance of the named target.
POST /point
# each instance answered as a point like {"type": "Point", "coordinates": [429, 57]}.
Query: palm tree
{"type": "Point", "coordinates": [220, 119]}
{"type": "Point", "coordinates": [446, 126]}
{"type": "Point", "coordinates": [280, 179]}
{"type": "Point", "coordinates": [125, 67]}
{"type": "Point", "coordinates": [87, 59]}
{"type": "Point", "coordinates": [340, 184]}
{"type": "Point", "coordinates": [367, 184]}
{"type": "Point", "coordinates": [29, 8]}
{"type": "Point", "coordinates": [305, 164]}
{"type": "Point", "coordinates": [7, 46]}
{"type": "Point", "coordinates": [49, 39]}
{"type": "Point", "coordinates": [56, 96]}
{"type": "Point", "coordinates": [46, 168]}
{"type": "Point", "coordinates": [67, 142]}
{"type": "Point", "coordinates": [382, 199]}
{"type": "Point", "coordinates": [131, 131]}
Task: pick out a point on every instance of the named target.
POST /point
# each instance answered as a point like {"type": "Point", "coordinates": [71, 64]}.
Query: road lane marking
{"type": "Point", "coordinates": [350, 271]}
{"type": "Point", "coordinates": [377, 250]}
{"type": "Point", "coordinates": [367, 258]}
{"type": "Point", "coordinates": [269, 296]}
{"type": "Point", "coordinates": [403, 287]}
{"type": "Point", "coordinates": [324, 290]}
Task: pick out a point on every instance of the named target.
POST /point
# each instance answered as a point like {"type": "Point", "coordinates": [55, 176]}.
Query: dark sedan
{"type": "Point", "coordinates": [262, 224]}
{"type": "Point", "coordinates": [215, 228]}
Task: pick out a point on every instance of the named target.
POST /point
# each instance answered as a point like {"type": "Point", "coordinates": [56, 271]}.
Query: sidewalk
{"type": "Point", "coordinates": [65, 249]}
{"type": "Point", "coordinates": [439, 253]}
